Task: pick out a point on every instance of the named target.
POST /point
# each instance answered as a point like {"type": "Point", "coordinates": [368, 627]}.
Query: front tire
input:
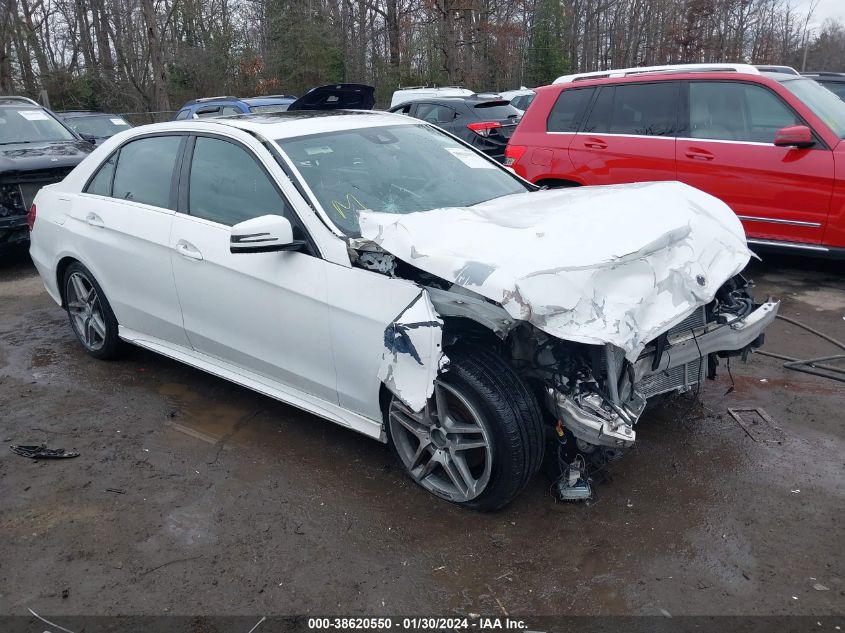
{"type": "Point", "coordinates": [90, 314]}
{"type": "Point", "coordinates": [479, 439]}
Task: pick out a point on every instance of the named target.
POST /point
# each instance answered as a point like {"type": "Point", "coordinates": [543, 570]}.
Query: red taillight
{"type": "Point", "coordinates": [30, 217]}
{"type": "Point", "coordinates": [482, 128]}
{"type": "Point", "coordinates": [512, 154]}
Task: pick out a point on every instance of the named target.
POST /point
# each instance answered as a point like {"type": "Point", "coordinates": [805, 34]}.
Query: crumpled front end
{"type": "Point", "coordinates": [601, 402]}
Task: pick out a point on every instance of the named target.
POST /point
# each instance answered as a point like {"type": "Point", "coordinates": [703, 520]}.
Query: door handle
{"type": "Point", "coordinates": [699, 154]}
{"type": "Point", "coordinates": [94, 220]}
{"type": "Point", "coordinates": [594, 143]}
{"type": "Point", "coordinates": [186, 249]}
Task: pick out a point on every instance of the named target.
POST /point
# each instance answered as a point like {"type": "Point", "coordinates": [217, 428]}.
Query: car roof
{"type": "Point", "coordinates": [280, 100]}
{"type": "Point", "coordinates": [825, 76]}
{"type": "Point", "coordinates": [279, 125]}
{"type": "Point", "coordinates": [651, 77]}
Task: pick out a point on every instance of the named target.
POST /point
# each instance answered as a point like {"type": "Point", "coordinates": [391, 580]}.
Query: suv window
{"type": "Point", "coordinates": [648, 109]}
{"type": "Point", "coordinates": [228, 186]}
{"type": "Point", "coordinates": [183, 114]}
{"type": "Point", "coordinates": [100, 184]}
{"type": "Point", "coordinates": [568, 111]}
{"type": "Point", "coordinates": [228, 110]}
{"type": "Point", "coordinates": [145, 170]}
{"type": "Point", "coordinates": [208, 111]}
{"type": "Point", "coordinates": [434, 113]}
{"type": "Point", "coordinates": [735, 111]}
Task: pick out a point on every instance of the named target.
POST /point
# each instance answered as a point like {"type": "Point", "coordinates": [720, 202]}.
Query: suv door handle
{"type": "Point", "coordinates": [94, 220]}
{"type": "Point", "coordinates": [595, 143]}
{"type": "Point", "coordinates": [699, 154]}
{"type": "Point", "coordinates": [186, 249]}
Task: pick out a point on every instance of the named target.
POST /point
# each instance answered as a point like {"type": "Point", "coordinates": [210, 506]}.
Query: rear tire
{"type": "Point", "coordinates": [90, 314]}
{"type": "Point", "coordinates": [483, 447]}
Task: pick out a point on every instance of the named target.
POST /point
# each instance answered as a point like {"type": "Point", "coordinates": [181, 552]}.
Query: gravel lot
{"type": "Point", "coordinates": [223, 501]}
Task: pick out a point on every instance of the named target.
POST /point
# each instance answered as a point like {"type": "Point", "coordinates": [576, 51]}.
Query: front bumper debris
{"type": "Point", "coordinates": [594, 418]}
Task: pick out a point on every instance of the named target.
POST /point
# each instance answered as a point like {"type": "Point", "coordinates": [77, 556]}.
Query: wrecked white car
{"type": "Point", "coordinates": [377, 272]}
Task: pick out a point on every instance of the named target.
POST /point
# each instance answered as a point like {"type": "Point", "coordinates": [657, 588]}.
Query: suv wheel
{"type": "Point", "coordinates": [479, 439]}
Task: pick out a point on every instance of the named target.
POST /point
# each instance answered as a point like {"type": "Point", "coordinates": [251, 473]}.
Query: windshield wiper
{"type": "Point", "coordinates": [18, 142]}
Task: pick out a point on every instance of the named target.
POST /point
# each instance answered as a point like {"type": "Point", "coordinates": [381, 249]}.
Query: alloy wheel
{"type": "Point", "coordinates": [86, 312]}
{"type": "Point", "coordinates": [446, 447]}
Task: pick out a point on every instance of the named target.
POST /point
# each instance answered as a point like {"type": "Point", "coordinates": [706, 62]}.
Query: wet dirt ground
{"type": "Point", "coordinates": [193, 495]}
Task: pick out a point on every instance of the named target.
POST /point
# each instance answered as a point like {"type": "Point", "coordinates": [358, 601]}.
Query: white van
{"type": "Point", "coordinates": [419, 92]}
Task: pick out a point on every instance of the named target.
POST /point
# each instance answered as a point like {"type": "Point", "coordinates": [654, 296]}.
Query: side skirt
{"type": "Point", "coordinates": [245, 378]}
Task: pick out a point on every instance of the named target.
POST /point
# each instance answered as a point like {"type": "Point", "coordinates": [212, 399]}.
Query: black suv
{"type": "Point", "coordinates": [484, 123]}
{"type": "Point", "coordinates": [835, 82]}
{"type": "Point", "coordinates": [36, 149]}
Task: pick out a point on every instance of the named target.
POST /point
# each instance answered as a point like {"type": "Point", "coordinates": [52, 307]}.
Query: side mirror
{"type": "Point", "coordinates": [794, 136]}
{"type": "Point", "coordinates": [265, 234]}
{"type": "Point", "coordinates": [88, 137]}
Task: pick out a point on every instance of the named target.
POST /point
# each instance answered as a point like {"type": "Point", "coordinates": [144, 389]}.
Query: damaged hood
{"type": "Point", "coordinates": [615, 264]}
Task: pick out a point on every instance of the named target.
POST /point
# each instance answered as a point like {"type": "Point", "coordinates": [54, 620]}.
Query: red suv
{"type": "Point", "coordinates": [768, 144]}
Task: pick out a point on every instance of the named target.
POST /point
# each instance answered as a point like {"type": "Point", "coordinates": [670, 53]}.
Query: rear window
{"type": "Point", "coordinates": [642, 109]}
{"type": "Point", "coordinates": [493, 112]}
{"type": "Point", "coordinates": [568, 111]}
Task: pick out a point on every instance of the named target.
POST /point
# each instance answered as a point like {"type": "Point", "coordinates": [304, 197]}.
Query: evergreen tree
{"type": "Point", "coordinates": [546, 50]}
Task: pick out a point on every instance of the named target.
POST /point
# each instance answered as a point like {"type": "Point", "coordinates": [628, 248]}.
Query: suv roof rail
{"type": "Point", "coordinates": [671, 68]}
{"type": "Point", "coordinates": [282, 96]}
{"type": "Point", "coordinates": [823, 73]}
{"type": "Point", "coordinates": [204, 99]}
{"type": "Point", "coordinates": [17, 99]}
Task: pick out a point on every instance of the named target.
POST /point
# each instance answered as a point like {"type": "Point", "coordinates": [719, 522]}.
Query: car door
{"type": "Point", "coordinates": [779, 193]}
{"type": "Point", "coordinates": [262, 312]}
{"type": "Point", "coordinates": [629, 135]}
{"type": "Point", "coordinates": [122, 220]}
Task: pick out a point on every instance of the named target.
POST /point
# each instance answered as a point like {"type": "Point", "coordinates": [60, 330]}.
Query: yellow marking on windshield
{"type": "Point", "coordinates": [351, 200]}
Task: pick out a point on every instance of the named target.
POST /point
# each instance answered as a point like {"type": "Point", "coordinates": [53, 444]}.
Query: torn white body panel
{"type": "Point", "coordinates": [614, 264]}
{"type": "Point", "coordinates": [413, 355]}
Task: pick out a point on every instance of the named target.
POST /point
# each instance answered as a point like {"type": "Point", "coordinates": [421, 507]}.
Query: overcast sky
{"type": "Point", "coordinates": [825, 9]}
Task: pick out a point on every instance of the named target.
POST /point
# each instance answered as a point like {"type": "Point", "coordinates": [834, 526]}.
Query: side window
{"type": "Point", "coordinates": [735, 111]}
{"type": "Point", "coordinates": [645, 109]}
{"type": "Point", "coordinates": [229, 110]}
{"type": "Point", "coordinates": [642, 109]}
{"type": "Point", "coordinates": [405, 109]}
{"type": "Point", "coordinates": [208, 111]}
{"type": "Point", "coordinates": [183, 114]}
{"type": "Point", "coordinates": [227, 185]}
{"type": "Point", "coordinates": [568, 111]}
{"type": "Point", "coordinates": [599, 119]}
{"type": "Point", "coordinates": [427, 112]}
{"type": "Point", "coordinates": [145, 170]}
{"type": "Point", "coordinates": [100, 184]}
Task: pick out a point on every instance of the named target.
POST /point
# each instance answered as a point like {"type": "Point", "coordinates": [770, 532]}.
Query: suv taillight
{"type": "Point", "coordinates": [512, 154]}
{"type": "Point", "coordinates": [30, 217]}
{"type": "Point", "coordinates": [482, 128]}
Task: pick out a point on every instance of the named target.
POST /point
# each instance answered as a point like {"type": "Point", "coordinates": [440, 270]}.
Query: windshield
{"type": "Point", "coordinates": [30, 125]}
{"type": "Point", "coordinates": [100, 126]}
{"type": "Point", "coordinates": [824, 104]}
{"type": "Point", "coordinates": [394, 169]}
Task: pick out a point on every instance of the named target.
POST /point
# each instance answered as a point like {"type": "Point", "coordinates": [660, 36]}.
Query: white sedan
{"type": "Point", "coordinates": [379, 273]}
